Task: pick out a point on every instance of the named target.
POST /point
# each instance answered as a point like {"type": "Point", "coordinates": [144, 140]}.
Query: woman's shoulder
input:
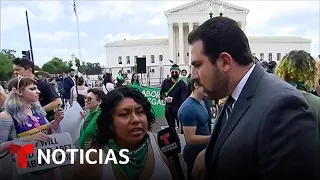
{"type": "Point", "coordinates": [4, 115]}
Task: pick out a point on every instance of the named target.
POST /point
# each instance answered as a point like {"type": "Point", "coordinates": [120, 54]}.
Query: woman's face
{"type": "Point", "coordinates": [130, 123]}
{"type": "Point", "coordinates": [135, 77]}
{"type": "Point", "coordinates": [30, 93]}
{"type": "Point", "coordinates": [92, 101]}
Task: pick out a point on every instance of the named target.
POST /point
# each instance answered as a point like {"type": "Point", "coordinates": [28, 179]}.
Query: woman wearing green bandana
{"type": "Point", "coordinates": [135, 80]}
{"type": "Point", "coordinates": [88, 129]}
{"type": "Point", "coordinates": [126, 116]}
{"type": "Point", "coordinates": [300, 69]}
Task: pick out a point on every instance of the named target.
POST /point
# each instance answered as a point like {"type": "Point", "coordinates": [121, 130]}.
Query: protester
{"type": "Point", "coordinates": [48, 97]}
{"type": "Point", "coordinates": [266, 129]}
{"type": "Point", "coordinates": [54, 84]}
{"type": "Point", "coordinates": [194, 116]}
{"type": "Point", "coordinates": [271, 66]}
{"type": "Point", "coordinates": [120, 81]}
{"type": "Point", "coordinates": [184, 76]}
{"type": "Point", "coordinates": [135, 80]}
{"type": "Point", "coordinates": [88, 129]}
{"type": "Point", "coordinates": [79, 91]}
{"type": "Point", "coordinates": [24, 120]}
{"type": "Point", "coordinates": [300, 69]}
{"type": "Point", "coordinates": [173, 91]}
{"type": "Point", "coordinates": [126, 116]}
{"type": "Point", "coordinates": [107, 84]}
{"type": "Point", "coordinates": [68, 83]}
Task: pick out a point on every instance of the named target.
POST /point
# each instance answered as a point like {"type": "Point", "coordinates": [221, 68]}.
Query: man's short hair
{"type": "Point", "coordinates": [222, 34]}
{"type": "Point", "coordinates": [24, 62]}
{"type": "Point", "coordinates": [192, 82]}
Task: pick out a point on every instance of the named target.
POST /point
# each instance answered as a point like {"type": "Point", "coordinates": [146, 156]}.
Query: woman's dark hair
{"type": "Point", "coordinates": [98, 92]}
{"type": "Point", "coordinates": [108, 107]}
{"type": "Point", "coordinates": [133, 80]}
{"type": "Point", "coordinates": [80, 80]}
{"type": "Point", "coordinates": [107, 78]}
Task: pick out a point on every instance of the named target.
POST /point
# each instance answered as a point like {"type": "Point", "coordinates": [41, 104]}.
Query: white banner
{"type": "Point", "coordinates": [57, 141]}
{"type": "Point", "coordinates": [72, 121]}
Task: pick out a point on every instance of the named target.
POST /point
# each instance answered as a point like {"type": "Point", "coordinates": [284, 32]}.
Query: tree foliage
{"type": "Point", "coordinates": [93, 68]}
{"type": "Point", "coordinates": [10, 53]}
{"type": "Point", "coordinates": [5, 66]}
{"type": "Point", "coordinates": [88, 68]}
{"type": "Point", "coordinates": [55, 66]}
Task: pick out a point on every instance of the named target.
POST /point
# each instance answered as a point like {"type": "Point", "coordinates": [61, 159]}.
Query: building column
{"type": "Point", "coordinates": [181, 45]}
{"type": "Point", "coordinates": [244, 26]}
{"type": "Point", "coordinates": [190, 29]}
{"type": "Point", "coordinates": [171, 46]}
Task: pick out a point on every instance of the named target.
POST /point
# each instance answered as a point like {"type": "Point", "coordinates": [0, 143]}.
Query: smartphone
{"type": "Point", "coordinates": [59, 108]}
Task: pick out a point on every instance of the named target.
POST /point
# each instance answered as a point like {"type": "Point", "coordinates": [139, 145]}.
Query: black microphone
{"type": "Point", "coordinates": [169, 143]}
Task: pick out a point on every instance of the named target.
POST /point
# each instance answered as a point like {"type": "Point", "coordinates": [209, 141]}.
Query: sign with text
{"type": "Point", "coordinates": [61, 141]}
{"type": "Point", "coordinates": [153, 95]}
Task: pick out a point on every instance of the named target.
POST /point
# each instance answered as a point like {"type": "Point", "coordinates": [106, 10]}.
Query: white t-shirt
{"type": "Point", "coordinates": [80, 91]}
{"type": "Point", "coordinates": [107, 88]}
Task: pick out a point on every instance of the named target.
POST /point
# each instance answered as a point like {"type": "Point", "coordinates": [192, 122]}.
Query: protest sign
{"type": "Point", "coordinates": [153, 95]}
{"type": "Point", "coordinates": [72, 121]}
{"type": "Point", "coordinates": [60, 141]}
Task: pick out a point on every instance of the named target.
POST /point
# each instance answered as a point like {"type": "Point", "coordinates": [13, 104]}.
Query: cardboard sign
{"type": "Point", "coordinates": [72, 121]}
{"type": "Point", "coordinates": [57, 141]}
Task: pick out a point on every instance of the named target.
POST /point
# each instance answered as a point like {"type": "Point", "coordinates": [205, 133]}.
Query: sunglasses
{"type": "Point", "coordinates": [174, 72]}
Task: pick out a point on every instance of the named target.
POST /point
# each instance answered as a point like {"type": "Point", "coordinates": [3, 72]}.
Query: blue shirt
{"type": "Point", "coordinates": [193, 113]}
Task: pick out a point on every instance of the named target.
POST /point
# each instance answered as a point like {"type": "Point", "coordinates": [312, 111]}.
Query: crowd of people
{"type": "Point", "coordinates": [241, 118]}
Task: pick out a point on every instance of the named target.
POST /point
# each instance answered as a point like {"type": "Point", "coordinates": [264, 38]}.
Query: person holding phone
{"type": "Point", "coordinates": [174, 92]}
{"type": "Point", "coordinates": [24, 120]}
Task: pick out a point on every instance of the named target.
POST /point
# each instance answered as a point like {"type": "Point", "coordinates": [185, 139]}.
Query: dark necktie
{"type": "Point", "coordinates": [228, 108]}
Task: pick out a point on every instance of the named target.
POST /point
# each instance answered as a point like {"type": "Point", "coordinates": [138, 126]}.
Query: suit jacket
{"type": "Point", "coordinates": [271, 134]}
{"type": "Point", "coordinates": [68, 83]}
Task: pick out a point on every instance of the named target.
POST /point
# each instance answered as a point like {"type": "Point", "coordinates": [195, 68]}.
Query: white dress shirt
{"type": "Point", "coordinates": [237, 91]}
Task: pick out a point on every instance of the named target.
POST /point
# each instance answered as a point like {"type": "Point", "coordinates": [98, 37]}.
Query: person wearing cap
{"type": "Point", "coordinates": [173, 91]}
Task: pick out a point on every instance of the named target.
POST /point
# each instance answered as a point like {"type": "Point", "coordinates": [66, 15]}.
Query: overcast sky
{"type": "Point", "coordinates": [53, 27]}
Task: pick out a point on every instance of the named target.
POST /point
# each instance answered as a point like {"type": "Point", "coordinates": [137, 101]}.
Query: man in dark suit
{"type": "Point", "coordinates": [266, 129]}
{"type": "Point", "coordinates": [68, 83]}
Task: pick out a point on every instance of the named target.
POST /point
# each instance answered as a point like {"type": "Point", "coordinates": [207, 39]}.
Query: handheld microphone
{"type": "Point", "coordinates": [169, 143]}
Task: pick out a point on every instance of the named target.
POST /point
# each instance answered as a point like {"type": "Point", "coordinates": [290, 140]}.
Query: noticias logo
{"type": "Point", "coordinates": [59, 156]}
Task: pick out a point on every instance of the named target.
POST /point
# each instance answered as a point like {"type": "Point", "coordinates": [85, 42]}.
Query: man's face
{"type": "Point", "coordinates": [175, 74]}
{"type": "Point", "coordinates": [72, 73]}
{"type": "Point", "coordinates": [184, 73]}
{"type": "Point", "coordinates": [18, 70]}
{"type": "Point", "coordinates": [213, 78]}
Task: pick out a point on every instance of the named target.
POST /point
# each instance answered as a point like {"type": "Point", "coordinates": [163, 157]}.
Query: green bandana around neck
{"type": "Point", "coordinates": [88, 129]}
{"type": "Point", "coordinates": [137, 158]}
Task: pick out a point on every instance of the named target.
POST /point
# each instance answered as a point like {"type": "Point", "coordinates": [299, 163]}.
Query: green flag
{"type": "Point", "coordinates": [153, 95]}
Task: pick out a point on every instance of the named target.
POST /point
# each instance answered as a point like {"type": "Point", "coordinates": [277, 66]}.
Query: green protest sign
{"type": "Point", "coordinates": [153, 95]}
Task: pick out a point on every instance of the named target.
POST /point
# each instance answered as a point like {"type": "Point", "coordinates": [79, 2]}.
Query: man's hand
{"type": "Point", "coordinates": [168, 99]}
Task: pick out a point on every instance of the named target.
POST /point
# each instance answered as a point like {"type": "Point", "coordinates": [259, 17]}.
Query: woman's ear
{"type": "Point", "coordinates": [16, 91]}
